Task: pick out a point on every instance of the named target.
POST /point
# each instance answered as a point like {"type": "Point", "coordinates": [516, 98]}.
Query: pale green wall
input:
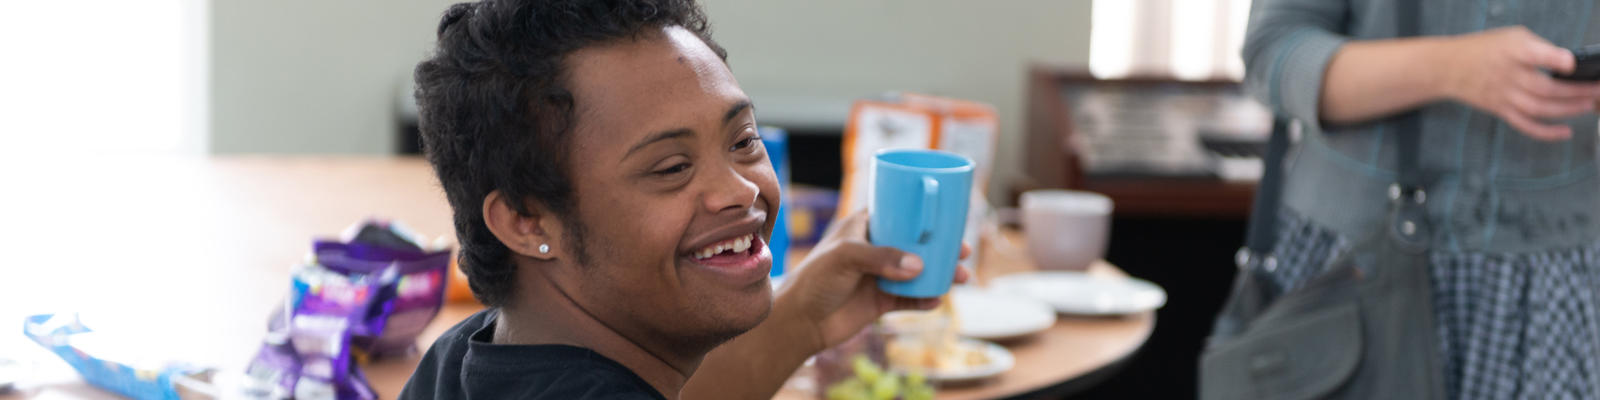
{"type": "Point", "coordinates": [806, 60]}
{"type": "Point", "coordinates": [313, 76]}
{"type": "Point", "coordinates": [318, 76]}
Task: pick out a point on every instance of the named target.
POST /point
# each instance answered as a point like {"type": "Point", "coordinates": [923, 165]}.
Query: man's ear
{"type": "Point", "coordinates": [524, 234]}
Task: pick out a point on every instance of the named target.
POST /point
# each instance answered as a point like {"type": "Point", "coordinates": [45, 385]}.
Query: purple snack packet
{"type": "Point", "coordinates": [406, 301]}
{"type": "Point", "coordinates": [307, 352]}
{"type": "Point", "coordinates": [369, 295]}
{"type": "Point", "coordinates": [276, 367]}
{"type": "Point", "coordinates": [332, 304]}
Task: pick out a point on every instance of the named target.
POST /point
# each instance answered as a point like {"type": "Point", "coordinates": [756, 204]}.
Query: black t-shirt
{"type": "Point", "coordinates": [464, 363]}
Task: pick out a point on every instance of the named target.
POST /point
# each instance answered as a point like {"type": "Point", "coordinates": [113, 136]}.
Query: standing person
{"type": "Point", "coordinates": [1508, 193]}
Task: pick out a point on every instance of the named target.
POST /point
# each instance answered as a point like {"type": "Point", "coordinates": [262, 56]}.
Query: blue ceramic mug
{"type": "Point", "coordinates": [919, 205]}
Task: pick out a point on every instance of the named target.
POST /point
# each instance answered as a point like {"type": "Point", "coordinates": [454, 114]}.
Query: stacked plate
{"type": "Point", "coordinates": [1077, 293]}
{"type": "Point", "coordinates": [1019, 305]}
{"type": "Point", "coordinates": [992, 315]}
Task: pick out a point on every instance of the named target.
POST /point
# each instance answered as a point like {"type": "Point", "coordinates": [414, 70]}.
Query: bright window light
{"type": "Point", "coordinates": [96, 77]}
{"type": "Point", "coordinates": [1200, 40]}
{"type": "Point", "coordinates": [1111, 31]}
{"type": "Point", "coordinates": [1239, 18]}
{"type": "Point", "coordinates": [1193, 38]}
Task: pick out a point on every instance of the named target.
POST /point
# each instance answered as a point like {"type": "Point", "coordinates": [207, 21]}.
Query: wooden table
{"type": "Point", "coordinates": [189, 255]}
{"type": "Point", "coordinates": [1070, 356]}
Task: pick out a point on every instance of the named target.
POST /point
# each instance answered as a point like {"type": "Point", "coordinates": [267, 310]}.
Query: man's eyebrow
{"type": "Point", "coordinates": [733, 112]}
{"type": "Point", "coordinates": [659, 136]}
{"type": "Point", "coordinates": [736, 109]}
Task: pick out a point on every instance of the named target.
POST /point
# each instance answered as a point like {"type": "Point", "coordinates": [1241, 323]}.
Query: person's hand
{"type": "Point", "coordinates": [835, 289]}
{"type": "Point", "coordinates": [1502, 71]}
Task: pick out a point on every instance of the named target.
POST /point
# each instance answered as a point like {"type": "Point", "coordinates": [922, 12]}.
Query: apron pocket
{"type": "Point", "coordinates": [1305, 356]}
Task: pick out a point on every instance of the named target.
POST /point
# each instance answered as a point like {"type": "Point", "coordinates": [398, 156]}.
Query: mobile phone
{"type": "Point", "coordinates": [1587, 67]}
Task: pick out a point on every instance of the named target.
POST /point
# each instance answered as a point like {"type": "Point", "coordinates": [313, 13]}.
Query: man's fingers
{"type": "Point", "coordinates": [886, 262]}
{"type": "Point", "coordinates": [1535, 129]}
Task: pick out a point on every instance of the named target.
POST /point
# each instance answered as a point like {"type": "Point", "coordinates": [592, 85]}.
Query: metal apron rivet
{"type": "Point", "coordinates": [1409, 228]}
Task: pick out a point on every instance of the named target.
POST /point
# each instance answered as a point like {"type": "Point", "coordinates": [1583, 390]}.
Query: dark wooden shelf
{"type": "Point", "coordinates": [1053, 161]}
{"type": "Point", "coordinates": [1158, 197]}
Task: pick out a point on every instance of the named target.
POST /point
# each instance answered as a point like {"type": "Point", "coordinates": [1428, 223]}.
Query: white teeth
{"type": "Point", "coordinates": [737, 245]}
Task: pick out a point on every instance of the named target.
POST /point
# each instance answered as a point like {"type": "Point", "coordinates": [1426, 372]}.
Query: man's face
{"type": "Point", "coordinates": [667, 166]}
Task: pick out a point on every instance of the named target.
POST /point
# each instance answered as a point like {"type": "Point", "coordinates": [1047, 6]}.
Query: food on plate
{"type": "Point", "coordinates": [929, 341]}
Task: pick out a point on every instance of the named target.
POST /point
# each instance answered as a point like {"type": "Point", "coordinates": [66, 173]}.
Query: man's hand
{"type": "Point", "coordinates": [831, 296]}
{"type": "Point", "coordinates": [1502, 71]}
{"type": "Point", "coordinates": [835, 289]}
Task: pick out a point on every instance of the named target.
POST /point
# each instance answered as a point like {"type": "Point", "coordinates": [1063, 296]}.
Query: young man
{"type": "Point", "coordinates": [612, 199]}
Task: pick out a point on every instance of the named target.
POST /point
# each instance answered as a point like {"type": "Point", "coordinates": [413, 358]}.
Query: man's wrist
{"type": "Point", "coordinates": [793, 325]}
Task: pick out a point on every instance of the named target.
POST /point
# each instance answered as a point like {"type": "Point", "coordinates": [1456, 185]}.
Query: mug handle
{"type": "Point", "coordinates": [930, 208]}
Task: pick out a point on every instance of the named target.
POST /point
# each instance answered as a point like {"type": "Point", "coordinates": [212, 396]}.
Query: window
{"type": "Point", "coordinates": [103, 76]}
{"type": "Point", "coordinates": [1187, 39]}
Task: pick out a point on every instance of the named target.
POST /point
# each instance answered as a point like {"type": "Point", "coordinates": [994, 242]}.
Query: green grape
{"type": "Point", "coordinates": [915, 379]}
{"type": "Point", "coordinates": [848, 389]}
{"type": "Point", "coordinates": [835, 392]}
{"type": "Point", "coordinates": [848, 395]}
{"type": "Point", "coordinates": [866, 370]}
{"type": "Point", "coordinates": [855, 384]}
{"type": "Point", "coordinates": [919, 393]}
{"type": "Point", "coordinates": [838, 393]}
{"type": "Point", "coordinates": [885, 389]}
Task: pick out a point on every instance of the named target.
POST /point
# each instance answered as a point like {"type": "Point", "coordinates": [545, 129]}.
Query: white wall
{"type": "Point", "coordinates": [805, 61]}
{"type": "Point", "coordinates": [313, 76]}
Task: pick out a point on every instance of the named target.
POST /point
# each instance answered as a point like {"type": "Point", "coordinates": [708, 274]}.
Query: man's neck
{"type": "Point", "coordinates": [546, 315]}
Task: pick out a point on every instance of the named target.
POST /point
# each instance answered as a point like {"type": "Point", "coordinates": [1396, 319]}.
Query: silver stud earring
{"type": "Point", "coordinates": [544, 248]}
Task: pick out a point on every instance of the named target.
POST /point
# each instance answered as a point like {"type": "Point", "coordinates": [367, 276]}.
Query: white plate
{"type": "Point", "coordinates": [991, 315]}
{"type": "Point", "coordinates": [1071, 292]}
{"type": "Point", "coordinates": [1000, 361]}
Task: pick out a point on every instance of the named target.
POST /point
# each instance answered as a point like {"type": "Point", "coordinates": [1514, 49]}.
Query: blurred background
{"type": "Point", "coordinates": [316, 77]}
{"type": "Point", "coordinates": [1134, 99]}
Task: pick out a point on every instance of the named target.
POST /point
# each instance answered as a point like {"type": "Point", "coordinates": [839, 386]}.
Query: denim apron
{"type": "Point", "coordinates": [1363, 329]}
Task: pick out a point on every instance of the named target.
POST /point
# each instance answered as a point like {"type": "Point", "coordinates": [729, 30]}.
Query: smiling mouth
{"type": "Point", "coordinates": [728, 248]}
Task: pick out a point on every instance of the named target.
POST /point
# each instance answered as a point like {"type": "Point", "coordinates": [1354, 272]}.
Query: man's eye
{"type": "Point", "coordinates": [673, 169]}
{"type": "Point", "coordinates": [744, 144]}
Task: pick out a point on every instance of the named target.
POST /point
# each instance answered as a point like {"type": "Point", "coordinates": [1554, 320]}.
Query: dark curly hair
{"type": "Point", "coordinates": [496, 114]}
